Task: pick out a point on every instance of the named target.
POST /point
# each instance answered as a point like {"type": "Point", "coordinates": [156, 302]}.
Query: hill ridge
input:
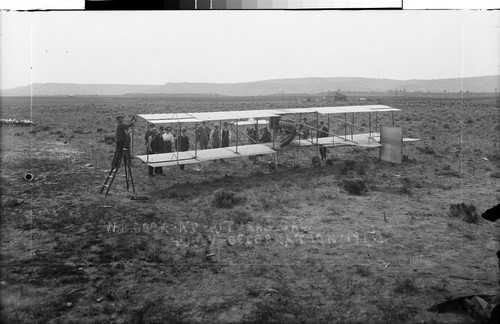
{"type": "Point", "coordinates": [307, 85]}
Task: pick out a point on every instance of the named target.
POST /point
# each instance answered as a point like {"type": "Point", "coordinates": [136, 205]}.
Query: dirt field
{"type": "Point", "coordinates": [290, 246]}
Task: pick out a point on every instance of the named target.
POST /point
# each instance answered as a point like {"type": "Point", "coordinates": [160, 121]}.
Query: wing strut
{"type": "Point", "coordinates": [147, 142]}
{"type": "Point", "coordinates": [345, 125]}
{"type": "Point", "coordinates": [195, 139]}
{"type": "Point", "coordinates": [237, 136]}
{"type": "Point", "coordinates": [352, 128]}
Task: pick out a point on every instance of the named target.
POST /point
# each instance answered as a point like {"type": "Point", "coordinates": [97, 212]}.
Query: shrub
{"type": "Point", "coordinates": [226, 199]}
{"type": "Point", "coordinates": [79, 131]}
{"type": "Point", "coordinates": [253, 291]}
{"type": "Point", "coordinates": [347, 167]}
{"type": "Point", "coordinates": [108, 137]}
{"type": "Point", "coordinates": [154, 253]}
{"type": "Point", "coordinates": [355, 187]}
{"type": "Point", "coordinates": [453, 173]}
{"type": "Point", "coordinates": [361, 169]}
{"type": "Point", "coordinates": [241, 217]}
{"type": "Point", "coordinates": [406, 190]}
{"type": "Point", "coordinates": [363, 271]}
{"type": "Point", "coordinates": [495, 174]}
{"type": "Point", "coordinates": [405, 285]}
{"type": "Point", "coordinates": [190, 253]}
{"type": "Point", "coordinates": [463, 211]}
{"type": "Point", "coordinates": [426, 150]}
{"type": "Point", "coordinates": [44, 128]}
{"type": "Point", "coordinates": [258, 173]}
{"type": "Point", "coordinates": [266, 203]}
{"type": "Point", "coordinates": [181, 195]}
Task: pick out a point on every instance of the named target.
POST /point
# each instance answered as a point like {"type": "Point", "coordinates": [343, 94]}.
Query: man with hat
{"type": "Point", "coordinates": [215, 136]}
{"type": "Point", "coordinates": [122, 139]}
{"type": "Point", "coordinates": [304, 128]}
{"type": "Point", "coordinates": [266, 136]}
{"type": "Point", "coordinates": [148, 131]}
{"type": "Point", "coordinates": [168, 140]}
{"type": "Point", "coordinates": [182, 143]}
{"type": "Point", "coordinates": [202, 134]}
{"type": "Point", "coordinates": [155, 147]}
{"type": "Point", "coordinates": [323, 132]}
{"type": "Point", "coordinates": [225, 135]}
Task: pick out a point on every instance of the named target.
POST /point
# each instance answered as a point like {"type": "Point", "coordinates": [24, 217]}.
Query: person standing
{"type": "Point", "coordinates": [305, 129]}
{"type": "Point", "coordinates": [266, 136]}
{"type": "Point", "coordinates": [215, 136]}
{"type": "Point", "coordinates": [155, 147]}
{"type": "Point", "coordinates": [323, 132]}
{"type": "Point", "coordinates": [148, 132]}
{"type": "Point", "coordinates": [182, 143]}
{"type": "Point", "coordinates": [252, 135]}
{"type": "Point", "coordinates": [121, 139]}
{"type": "Point", "coordinates": [168, 140]}
{"type": "Point", "coordinates": [225, 136]}
{"type": "Point", "coordinates": [202, 133]}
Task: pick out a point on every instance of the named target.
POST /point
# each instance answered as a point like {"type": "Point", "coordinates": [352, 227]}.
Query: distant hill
{"type": "Point", "coordinates": [266, 87]}
{"type": "Point", "coordinates": [66, 89]}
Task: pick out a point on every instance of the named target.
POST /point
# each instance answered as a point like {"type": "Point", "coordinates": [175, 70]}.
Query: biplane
{"type": "Point", "coordinates": [291, 134]}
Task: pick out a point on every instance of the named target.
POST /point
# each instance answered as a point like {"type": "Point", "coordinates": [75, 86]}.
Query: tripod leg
{"type": "Point", "coordinates": [125, 163]}
{"type": "Point", "coordinates": [130, 171]}
{"type": "Point", "coordinates": [117, 158]}
{"type": "Point", "coordinates": [107, 179]}
{"type": "Point", "coordinates": [113, 163]}
{"type": "Point", "coordinates": [112, 179]}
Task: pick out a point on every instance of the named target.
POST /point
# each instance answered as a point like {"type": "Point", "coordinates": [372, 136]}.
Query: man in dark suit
{"type": "Point", "coordinates": [323, 132]}
{"type": "Point", "coordinates": [121, 139]}
{"type": "Point", "coordinates": [182, 143]}
{"type": "Point", "coordinates": [155, 147]}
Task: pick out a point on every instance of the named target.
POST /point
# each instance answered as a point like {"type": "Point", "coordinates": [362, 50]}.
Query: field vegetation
{"type": "Point", "coordinates": [355, 240]}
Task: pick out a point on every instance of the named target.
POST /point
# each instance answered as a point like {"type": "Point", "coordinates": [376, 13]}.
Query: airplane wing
{"type": "Point", "coordinates": [247, 114]}
{"type": "Point", "coordinates": [207, 116]}
{"type": "Point", "coordinates": [191, 157]}
{"type": "Point", "coordinates": [336, 110]}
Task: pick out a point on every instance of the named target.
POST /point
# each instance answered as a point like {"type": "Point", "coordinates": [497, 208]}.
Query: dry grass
{"type": "Point", "coordinates": [175, 258]}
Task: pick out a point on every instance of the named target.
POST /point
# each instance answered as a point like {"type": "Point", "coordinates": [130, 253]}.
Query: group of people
{"type": "Point", "coordinates": [162, 140]}
{"type": "Point", "coordinates": [219, 138]}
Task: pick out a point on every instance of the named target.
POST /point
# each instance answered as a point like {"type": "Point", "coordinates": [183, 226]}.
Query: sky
{"type": "Point", "coordinates": [241, 46]}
